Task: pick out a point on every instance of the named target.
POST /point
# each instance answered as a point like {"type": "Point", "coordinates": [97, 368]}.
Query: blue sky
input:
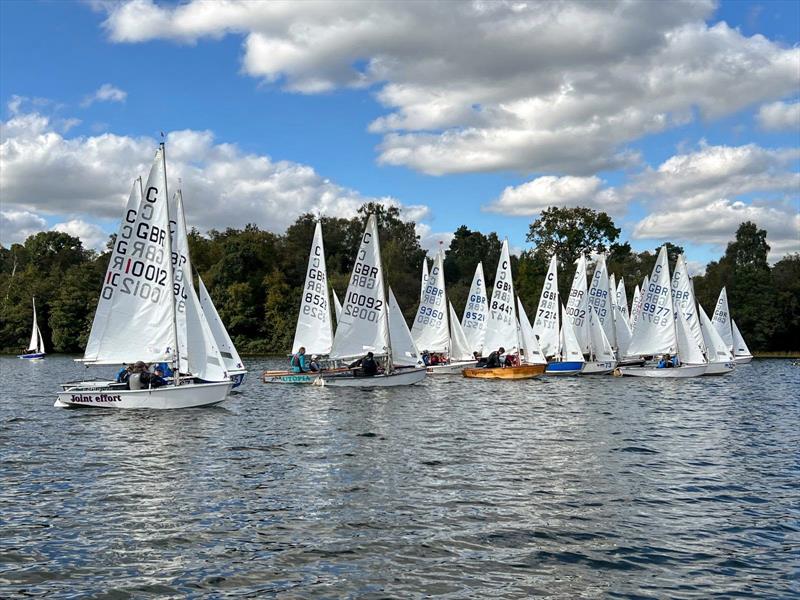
{"type": "Point", "coordinates": [173, 72]}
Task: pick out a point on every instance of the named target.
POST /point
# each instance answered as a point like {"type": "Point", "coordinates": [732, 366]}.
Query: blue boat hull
{"type": "Point", "coordinates": [564, 368]}
{"type": "Point", "coordinates": [238, 379]}
{"type": "Point", "coordinates": [31, 356]}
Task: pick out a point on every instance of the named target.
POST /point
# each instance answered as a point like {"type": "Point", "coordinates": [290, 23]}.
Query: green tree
{"type": "Point", "coordinates": [568, 232]}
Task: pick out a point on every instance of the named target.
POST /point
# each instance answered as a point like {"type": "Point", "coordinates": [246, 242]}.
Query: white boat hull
{"type": "Point", "coordinates": [671, 373]}
{"type": "Point", "coordinates": [454, 368]}
{"type": "Point", "coordinates": [743, 360]}
{"type": "Point", "coordinates": [189, 395]}
{"type": "Point", "coordinates": [598, 367]}
{"type": "Point", "coordinates": [399, 377]}
{"type": "Point", "coordinates": [720, 368]}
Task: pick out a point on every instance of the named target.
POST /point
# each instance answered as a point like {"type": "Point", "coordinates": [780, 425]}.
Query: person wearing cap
{"type": "Point", "coordinates": [314, 364]}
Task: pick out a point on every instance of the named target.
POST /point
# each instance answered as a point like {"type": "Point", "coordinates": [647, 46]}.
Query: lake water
{"type": "Point", "coordinates": [582, 487]}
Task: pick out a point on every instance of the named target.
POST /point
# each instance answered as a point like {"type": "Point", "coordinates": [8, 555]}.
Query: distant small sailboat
{"type": "Point", "coordinates": [720, 359]}
{"type": "Point", "coordinates": [35, 350]}
{"type": "Point", "coordinates": [602, 359]}
{"type": "Point", "coordinates": [233, 362]}
{"type": "Point", "coordinates": [741, 353]}
{"type": "Point", "coordinates": [569, 360]}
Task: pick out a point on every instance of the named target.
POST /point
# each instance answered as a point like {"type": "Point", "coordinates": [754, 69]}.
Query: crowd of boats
{"type": "Point", "coordinates": [150, 311]}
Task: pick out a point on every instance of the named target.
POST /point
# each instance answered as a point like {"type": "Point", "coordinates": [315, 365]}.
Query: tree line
{"type": "Point", "coordinates": [256, 277]}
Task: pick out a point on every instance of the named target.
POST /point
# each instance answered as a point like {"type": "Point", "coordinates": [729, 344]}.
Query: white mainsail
{"type": "Point", "coordinates": [533, 354]}
{"type": "Point", "coordinates": [622, 302]}
{"type": "Point", "coordinates": [577, 304]}
{"type": "Point", "coordinates": [459, 346]}
{"type": "Point", "coordinates": [722, 318]}
{"type": "Point", "coordinates": [227, 350]}
{"type": "Point", "coordinates": [115, 270]}
{"type": "Point", "coordinates": [655, 328]}
{"type": "Point", "coordinates": [430, 329]}
{"type": "Point", "coordinates": [599, 298]}
{"type": "Point", "coordinates": [717, 350]}
{"type": "Point", "coordinates": [622, 329]}
{"type": "Point", "coordinates": [476, 312]}
{"type": "Point", "coordinates": [600, 348]}
{"type": "Point", "coordinates": [337, 306]}
{"type": "Point", "coordinates": [739, 346]}
{"type": "Point", "coordinates": [571, 350]}
{"type": "Point", "coordinates": [683, 298]}
{"type": "Point", "coordinates": [364, 325]}
{"type": "Point", "coordinates": [545, 323]}
{"type": "Point", "coordinates": [404, 351]}
{"type": "Point", "coordinates": [501, 328]}
{"type": "Point", "coordinates": [314, 331]}
{"type": "Point", "coordinates": [137, 291]}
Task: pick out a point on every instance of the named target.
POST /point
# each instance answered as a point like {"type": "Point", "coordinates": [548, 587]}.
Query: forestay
{"type": "Point", "coordinates": [545, 323]}
{"type": "Point", "coordinates": [716, 349]}
{"type": "Point", "coordinates": [501, 328]}
{"type": "Point", "coordinates": [683, 299]}
{"type": "Point", "coordinates": [599, 298]}
{"type": "Point", "coordinates": [114, 272]}
{"type": "Point", "coordinates": [364, 323]}
{"type": "Point", "coordinates": [577, 304]}
{"type": "Point", "coordinates": [227, 350]}
{"type": "Point", "coordinates": [404, 351]}
{"type": "Point", "coordinates": [655, 329]}
{"type": "Point", "coordinates": [476, 312]}
{"type": "Point", "coordinates": [430, 328]}
{"type": "Point", "coordinates": [600, 347]}
{"type": "Point", "coordinates": [533, 354]}
{"type": "Point", "coordinates": [314, 331]}
{"type": "Point", "coordinates": [137, 294]}
{"type": "Point", "coordinates": [459, 346]}
{"type": "Point", "coordinates": [722, 318]}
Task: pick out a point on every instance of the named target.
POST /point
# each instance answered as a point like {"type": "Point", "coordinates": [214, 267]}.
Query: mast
{"type": "Point", "coordinates": [389, 362]}
{"type": "Point", "coordinates": [176, 379]}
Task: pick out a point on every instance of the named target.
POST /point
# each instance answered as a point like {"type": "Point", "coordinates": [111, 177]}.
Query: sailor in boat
{"type": "Point", "coordinates": [493, 360]}
{"type": "Point", "coordinates": [313, 366]}
{"type": "Point", "coordinates": [298, 361]}
{"type": "Point", "coordinates": [668, 361]}
{"type": "Point", "coordinates": [124, 374]}
{"type": "Point", "coordinates": [426, 358]}
{"type": "Point", "coordinates": [366, 366]}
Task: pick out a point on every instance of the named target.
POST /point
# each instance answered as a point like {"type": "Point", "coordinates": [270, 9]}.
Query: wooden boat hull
{"type": "Point", "coordinates": [743, 360]}
{"type": "Point", "coordinates": [454, 368]}
{"type": "Point", "coordinates": [32, 356]}
{"type": "Point", "coordinates": [190, 395]}
{"type": "Point", "coordinates": [598, 367]}
{"type": "Point", "coordinates": [408, 376]}
{"type": "Point", "coordinates": [673, 373]}
{"type": "Point", "coordinates": [521, 372]}
{"type": "Point", "coordinates": [564, 368]}
{"type": "Point", "coordinates": [720, 368]}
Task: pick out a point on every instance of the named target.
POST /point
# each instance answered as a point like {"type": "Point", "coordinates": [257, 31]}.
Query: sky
{"type": "Point", "coordinates": [679, 119]}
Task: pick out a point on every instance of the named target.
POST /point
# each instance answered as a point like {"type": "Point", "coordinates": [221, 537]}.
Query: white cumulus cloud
{"type": "Point", "coordinates": [105, 93]}
{"type": "Point", "coordinates": [532, 197]}
{"type": "Point", "coordinates": [16, 225]}
{"type": "Point", "coordinates": [539, 87]}
{"type": "Point", "coordinates": [779, 116]}
{"type": "Point", "coordinates": [92, 236]}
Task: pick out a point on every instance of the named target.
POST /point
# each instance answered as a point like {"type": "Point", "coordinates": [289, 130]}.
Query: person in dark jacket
{"type": "Point", "coordinates": [366, 366]}
{"type": "Point", "coordinates": [493, 360]}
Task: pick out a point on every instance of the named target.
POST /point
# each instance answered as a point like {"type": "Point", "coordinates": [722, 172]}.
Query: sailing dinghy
{"type": "Point", "coordinates": [729, 332]}
{"type": "Point", "coordinates": [602, 359]}
{"type": "Point", "coordinates": [502, 328]}
{"type": "Point", "coordinates": [476, 312]}
{"type": "Point", "coordinates": [720, 359]}
{"type": "Point", "coordinates": [35, 350]}
{"type": "Point", "coordinates": [662, 330]}
{"type": "Point", "coordinates": [314, 330]}
{"type": "Point", "coordinates": [569, 359]}
{"type": "Point", "coordinates": [436, 329]}
{"type": "Point", "coordinates": [364, 326]}
{"type": "Point", "coordinates": [148, 311]}
{"type": "Point", "coordinates": [233, 362]}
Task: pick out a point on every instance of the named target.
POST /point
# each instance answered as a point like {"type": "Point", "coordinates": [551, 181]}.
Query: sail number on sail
{"type": "Point", "coordinates": [502, 298]}
{"type": "Point", "coordinates": [315, 301]}
{"type": "Point", "coordinates": [474, 315]}
{"type": "Point", "coordinates": [653, 307]}
{"type": "Point", "coordinates": [365, 276]}
{"type": "Point", "coordinates": [138, 265]}
{"type": "Point", "coordinates": [433, 296]}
